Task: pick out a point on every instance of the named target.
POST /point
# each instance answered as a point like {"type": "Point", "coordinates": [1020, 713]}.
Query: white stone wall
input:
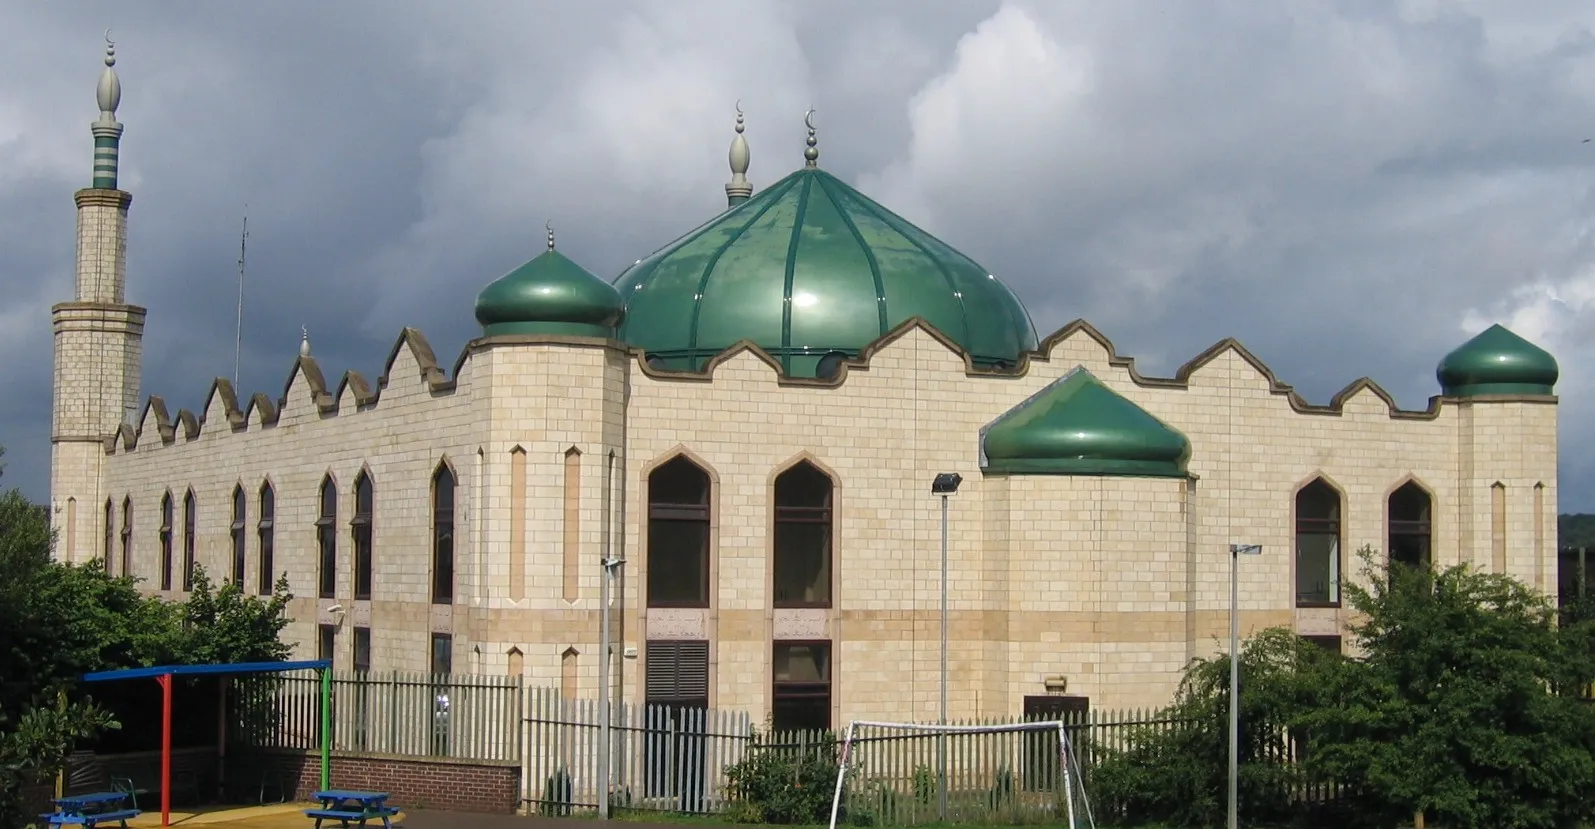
{"type": "Point", "coordinates": [1110, 583]}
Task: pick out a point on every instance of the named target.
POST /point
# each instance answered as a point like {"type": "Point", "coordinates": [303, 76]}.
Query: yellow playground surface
{"type": "Point", "coordinates": [275, 816]}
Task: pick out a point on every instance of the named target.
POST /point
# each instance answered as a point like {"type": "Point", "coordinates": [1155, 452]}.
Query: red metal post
{"type": "Point", "coordinates": [166, 748]}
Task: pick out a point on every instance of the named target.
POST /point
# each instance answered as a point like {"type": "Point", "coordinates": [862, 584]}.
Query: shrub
{"type": "Point", "coordinates": [783, 785]}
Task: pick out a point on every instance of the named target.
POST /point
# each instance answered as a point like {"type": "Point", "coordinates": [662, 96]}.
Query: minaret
{"type": "Point", "coordinates": [739, 189]}
{"type": "Point", "coordinates": [98, 343]}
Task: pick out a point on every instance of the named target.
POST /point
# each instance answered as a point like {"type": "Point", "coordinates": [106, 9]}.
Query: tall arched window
{"type": "Point", "coordinates": [443, 487]}
{"type": "Point", "coordinates": [1411, 525]}
{"type": "Point", "coordinates": [190, 519]}
{"type": "Point", "coordinates": [166, 540]}
{"type": "Point", "coordinates": [327, 538]}
{"type": "Point", "coordinates": [267, 533]}
{"type": "Point", "coordinates": [110, 535]}
{"type": "Point", "coordinates": [1318, 545]}
{"type": "Point", "coordinates": [803, 537]}
{"type": "Point", "coordinates": [360, 526]}
{"type": "Point", "coordinates": [678, 535]}
{"type": "Point", "coordinates": [127, 536]}
{"type": "Point", "coordinates": [239, 539]}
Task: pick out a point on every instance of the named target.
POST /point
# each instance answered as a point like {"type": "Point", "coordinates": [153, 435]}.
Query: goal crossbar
{"type": "Point", "coordinates": [1065, 750]}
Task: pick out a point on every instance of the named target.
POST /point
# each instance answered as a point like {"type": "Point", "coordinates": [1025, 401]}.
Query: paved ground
{"type": "Point", "coordinates": [291, 816]}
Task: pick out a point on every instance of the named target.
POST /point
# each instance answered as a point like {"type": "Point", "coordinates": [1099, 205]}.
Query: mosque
{"type": "Point", "coordinates": [759, 442]}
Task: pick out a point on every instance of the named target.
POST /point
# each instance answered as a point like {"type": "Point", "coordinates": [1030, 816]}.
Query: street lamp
{"type": "Point", "coordinates": [944, 486]}
{"type": "Point", "coordinates": [605, 749]}
{"type": "Point", "coordinates": [1235, 552]}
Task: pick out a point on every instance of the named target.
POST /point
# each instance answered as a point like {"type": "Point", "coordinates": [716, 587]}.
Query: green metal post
{"type": "Point", "coordinates": [326, 729]}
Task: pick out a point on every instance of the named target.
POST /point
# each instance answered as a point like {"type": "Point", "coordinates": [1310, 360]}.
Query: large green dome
{"type": "Point", "coordinates": [549, 295]}
{"type": "Point", "coordinates": [1078, 426]}
{"type": "Point", "coordinates": [811, 267]}
{"type": "Point", "coordinates": [1497, 361]}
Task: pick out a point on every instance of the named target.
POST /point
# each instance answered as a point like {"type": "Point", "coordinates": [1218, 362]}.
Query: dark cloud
{"type": "Point", "coordinates": [1349, 187]}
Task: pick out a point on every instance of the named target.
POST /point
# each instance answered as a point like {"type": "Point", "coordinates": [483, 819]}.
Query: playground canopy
{"type": "Point", "coordinates": [163, 674]}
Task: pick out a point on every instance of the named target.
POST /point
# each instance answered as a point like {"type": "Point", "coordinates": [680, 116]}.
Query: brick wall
{"type": "Point", "coordinates": [414, 784]}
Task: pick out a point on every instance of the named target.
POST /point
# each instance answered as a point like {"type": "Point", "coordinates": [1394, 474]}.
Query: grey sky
{"type": "Point", "coordinates": [1350, 188]}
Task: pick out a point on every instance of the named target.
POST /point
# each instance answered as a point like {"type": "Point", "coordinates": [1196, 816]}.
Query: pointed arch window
{"type": "Point", "coordinates": [127, 536]}
{"type": "Point", "coordinates": [443, 489]}
{"type": "Point", "coordinates": [1318, 512]}
{"type": "Point", "coordinates": [110, 535]}
{"type": "Point", "coordinates": [327, 538]}
{"type": "Point", "coordinates": [802, 539]}
{"type": "Point", "coordinates": [240, 507]}
{"type": "Point", "coordinates": [190, 519]}
{"type": "Point", "coordinates": [166, 540]}
{"type": "Point", "coordinates": [678, 535]}
{"type": "Point", "coordinates": [1411, 519]}
{"type": "Point", "coordinates": [360, 527]}
{"type": "Point", "coordinates": [266, 531]}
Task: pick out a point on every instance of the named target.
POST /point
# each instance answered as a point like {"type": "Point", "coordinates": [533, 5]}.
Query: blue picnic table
{"type": "Point", "coordinates": [91, 810]}
{"type": "Point", "coordinates": [355, 807]}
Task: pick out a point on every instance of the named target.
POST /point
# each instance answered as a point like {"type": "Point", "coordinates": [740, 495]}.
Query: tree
{"type": "Point", "coordinates": [1464, 706]}
{"type": "Point", "coordinates": [228, 625]}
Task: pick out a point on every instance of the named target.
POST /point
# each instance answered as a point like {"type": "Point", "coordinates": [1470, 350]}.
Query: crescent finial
{"type": "Point", "coordinates": [808, 118]}
{"type": "Point", "coordinates": [108, 40]}
{"type": "Point", "coordinates": [549, 226]}
{"type": "Point", "coordinates": [739, 106]}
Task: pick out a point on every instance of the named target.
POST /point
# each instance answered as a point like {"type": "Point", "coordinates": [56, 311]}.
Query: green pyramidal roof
{"type": "Point", "coordinates": [1497, 361]}
{"type": "Point", "coordinates": [549, 295]}
{"type": "Point", "coordinates": [811, 267]}
{"type": "Point", "coordinates": [1078, 426]}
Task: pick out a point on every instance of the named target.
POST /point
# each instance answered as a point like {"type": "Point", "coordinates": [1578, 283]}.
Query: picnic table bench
{"type": "Point", "coordinates": [91, 810]}
{"type": "Point", "coordinates": [348, 807]}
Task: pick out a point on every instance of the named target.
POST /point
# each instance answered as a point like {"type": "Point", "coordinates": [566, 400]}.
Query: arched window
{"type": "Point", "coordinates": [127, 536]}
{"type": "Point", "coordinates": [803, 537]}
{"type": "Point", "coordinates": [166, 540]}
{"type": "Point", "coordinates": [1411, 526]}
{"type": "Point", "coordinates": [239, 539]}
{"type": "Point", "coordinates": [678, 535]}
{"type": "Point", "coordinates": [268, 515]}
{"type": "Point", "coordinates": [110, 535]}
{"type": "Point", "coordinates": [443, 486]}
{"type": "Point", "coordinates": [327, 538]}
{"type": "Point", "coordinates": [1318, 545]}
{"type": "Point", "coordinates": [189, 520]}
{"type": "Point", "coordinates": [360, 526]}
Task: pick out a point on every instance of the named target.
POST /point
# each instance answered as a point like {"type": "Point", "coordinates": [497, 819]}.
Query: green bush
{"type": "Point", "coordinates": [783, 785]}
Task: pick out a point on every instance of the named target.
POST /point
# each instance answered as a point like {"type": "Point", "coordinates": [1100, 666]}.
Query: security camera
{"type": "Point", "coordinates": [337, 608]}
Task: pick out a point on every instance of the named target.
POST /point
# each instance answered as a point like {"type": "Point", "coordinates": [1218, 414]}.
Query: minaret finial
{"type": "Point", "coordinates": [739, 189]}
{"type": "Point", "coordinates": [304, 341]}
{"type": "Point", "coordinates": [107, 132]}
{"type": "Point", "coordinates": [811, 156]}
{"type": "Point", "coordinates": [549, 226]}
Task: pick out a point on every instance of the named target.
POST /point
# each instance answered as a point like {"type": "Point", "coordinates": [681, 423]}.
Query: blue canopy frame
{"type": "Point", "coordinates": [163, 674]}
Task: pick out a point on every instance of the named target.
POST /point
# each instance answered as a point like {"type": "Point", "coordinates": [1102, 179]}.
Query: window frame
{"type": "Point", "coordinates": [803, 516]}
{"type": "Point", "coordinates": [1332, 527]}
{"type": "Point", "coordinates": [444, 535]}
{"type": "Point", "coordinates": [167, 514]}
{"type": "Point", "coordinates": [240, 541]}
{"type": "Point", "coordinates": [110, 534]}
{"type": "Point", "coordinates": [190, 530]}
{"type": "Point", "coordinates": [127, 535]}
{"type": "Point", "coordinates": [361, 531]}
{"type": "Point", "coordinates": [803, 690]}
{"type": "Point", "coordinates": [665, 513]}
{"type": "Point", "coordinates": [1410, 528]}
{"type": "Point", "coordinates": [266, 538]}
{"type": "Point", "coordinates": [327, 538]}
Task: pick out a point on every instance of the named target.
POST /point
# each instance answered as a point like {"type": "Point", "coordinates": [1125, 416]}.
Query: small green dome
{"type": "Point", "coordinates": [1497, 361]}
{"type": "Point", "coordinates": [1079, 426]}
{"type": "Point", "coordinates": [811, 269]}
{"type": "Point", "coordinates": [549, 295]}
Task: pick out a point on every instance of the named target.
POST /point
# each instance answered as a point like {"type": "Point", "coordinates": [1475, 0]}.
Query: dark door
{"type": "Point", "coordinates": [1041, 754]}
{"type": "Point", "coordinates": [677, 695]}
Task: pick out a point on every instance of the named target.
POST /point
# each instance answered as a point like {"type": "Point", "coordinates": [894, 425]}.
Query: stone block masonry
{"type": "Point", "coordinates": [431, 783]}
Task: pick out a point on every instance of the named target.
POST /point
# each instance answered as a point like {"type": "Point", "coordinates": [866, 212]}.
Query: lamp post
{"type": "Point", "coordinates": [610, 565]}
{"type": "Point", "coordinates": [944, 486]}
{"type": "Point", "coordinates": [1235, 552]}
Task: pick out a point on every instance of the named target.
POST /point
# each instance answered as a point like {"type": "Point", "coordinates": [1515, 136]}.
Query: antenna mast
{"type": "Point", "coordinates": [238, 343]}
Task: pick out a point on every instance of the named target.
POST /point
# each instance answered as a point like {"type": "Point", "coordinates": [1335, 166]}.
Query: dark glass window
{"type": "Point", "coordinates": [110, 535]}
{"type": "Point", "coordinates": [362, 649]}
{"type": "Point", "coordinates": [803, 537]}
{"type": "Point", "coordinates": [267, 532]}
{"type": "Point", "coordinates": [190, 523]}
{"type": "Point", "coordinates": [1318, 545]}
{"type": "Point", "coordinates": [1411, 526]}
{"type": "Point", "coordinates": [166, 541]}
{"type": "Point", "coordinates": [327, 641]}
{"type": "Point", "coordinates": [127, 536]}
{"type": "Point", "coordinates": [240, 539]}
{"type": "Point", "coordinates": [327, 538]}
{"type": "Point", "coordinates": [443, 486]}
{"type": "Point", "coordinates": [678, 535]}
{"type": "Point", "coordinates": [442, 653]}
{"type": "Point", "coordinates": [364, 496]}
{"type": "Point", "coordinates": [801, 696]}
{"type": "Point", "coordinates": [1328, 643]}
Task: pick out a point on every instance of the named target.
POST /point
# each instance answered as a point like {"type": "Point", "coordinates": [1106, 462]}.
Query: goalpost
{"type": "Point", "coordinates": [981, 762]}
